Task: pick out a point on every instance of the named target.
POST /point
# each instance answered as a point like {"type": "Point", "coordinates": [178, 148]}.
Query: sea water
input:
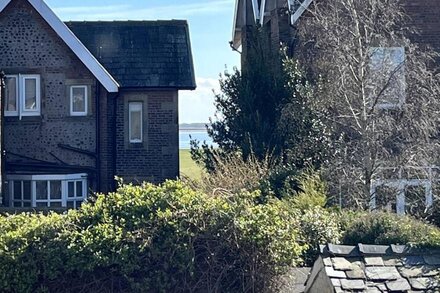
{"type": "Point", "coordinates": [185, 136]}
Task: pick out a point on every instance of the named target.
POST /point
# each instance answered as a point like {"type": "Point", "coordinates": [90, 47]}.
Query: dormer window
{"type": "Point", "coordinates": [23, 95]}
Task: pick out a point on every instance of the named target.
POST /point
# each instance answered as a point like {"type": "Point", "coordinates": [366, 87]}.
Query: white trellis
{"type": "Point", "coordinates": [401, 183]}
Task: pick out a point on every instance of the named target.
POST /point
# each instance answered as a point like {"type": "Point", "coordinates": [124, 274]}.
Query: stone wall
{"type": "Point", "coordinates": [156, 158]}
{"type": "Point", "coordinates": [30, 46]}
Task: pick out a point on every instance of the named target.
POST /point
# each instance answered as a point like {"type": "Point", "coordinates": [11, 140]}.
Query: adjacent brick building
{"type": "Point", "coordinates": [87, 101]}
{"type": "Point", "coordinates": [280, 20]}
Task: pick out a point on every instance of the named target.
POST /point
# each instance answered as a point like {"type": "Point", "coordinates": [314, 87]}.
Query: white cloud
{"type": "Point", "coordinates": [198, 106]}
{"type": "Point", "coordinates": [124, 12]}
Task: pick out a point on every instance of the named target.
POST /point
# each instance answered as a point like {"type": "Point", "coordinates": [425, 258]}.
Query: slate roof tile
{"type": "Point", "coordinates": [340, 263]}
{"type": "Point", "coordinates": [332, 273]}
{"type": "Point", "coordinates": [353, 284]}
{"type": "Point", "coordinates": [418, 271]}
{"type": "Point", "coordinates": [382, 273]}
{"type": "Point", "coordinates": [146, 54]}
{"type": "Point", "coordinates": [374, 249]}
{"type": "Point", "coordinates": [398, 285]}
{"type": "Point", "coordinates": [356, 273]}
{"type": "Point", "coordinates": [336, 282]}
{"type": "Point", "coordinates": [423, 283]}
{"type": "Point", "coordinates": [374, 261]}
{"type": "Point", "coordinates": [381, 269]}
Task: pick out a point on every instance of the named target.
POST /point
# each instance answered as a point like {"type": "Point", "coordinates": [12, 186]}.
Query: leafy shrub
{"type": "Point", "coordinates": [387, 228]}
{"type": "Point", "coordinates": [165, 238]}
{"type": "Point", "coordinates": [29, 250]}
{"type": "Point", "coordinates": [312, 191]}
{"type": "Point", "coordinates": [318, 226]}
{"type": "Point", "coordinates": [232, 173]}
{"type": "Point", "coordinates": [279, 181]}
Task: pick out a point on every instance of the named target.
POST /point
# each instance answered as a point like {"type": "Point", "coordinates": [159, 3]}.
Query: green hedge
{"type": "Point", "coordinates": [170, 238]}
{"type": "Point", "coordinates": [386, 228]}
{"type": "Point", "coordinates": [151, 239]}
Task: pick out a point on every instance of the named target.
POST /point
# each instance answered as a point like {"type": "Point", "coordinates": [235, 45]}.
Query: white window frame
{"type": "Point", "coordinates": [65, 179]}
{"type": "Point", "coordinates": [13, 113]}
{"type": "Point", "coordinates": [22, 201]}
{"type": "Point", "coordinates": [402, 98]}
{"type": "Point", "coordinates": [86, 100]}
{"type": "Point", "coordinates": [400, 185]}
{"type": "Point", "coordinates": [20, 96]}
{"type": "Point", "coordinates": [132, 107]}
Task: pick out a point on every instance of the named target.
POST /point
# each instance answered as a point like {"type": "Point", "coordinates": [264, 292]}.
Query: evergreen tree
{"type": "Point", "coordinates": [263, 111]}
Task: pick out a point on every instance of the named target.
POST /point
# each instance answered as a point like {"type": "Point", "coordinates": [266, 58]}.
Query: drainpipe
{"type": "Point", "coordinates": [114, 138]}
{"type": "Point", "coordinates": [98, 136]}
{"type": "Point", "coordinates": [2, 137]}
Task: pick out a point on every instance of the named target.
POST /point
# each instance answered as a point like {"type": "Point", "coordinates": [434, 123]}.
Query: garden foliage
{"type": "Point", "coordinates": [151, 239]}
{"type": "Point", "coordinates": [172, 238]}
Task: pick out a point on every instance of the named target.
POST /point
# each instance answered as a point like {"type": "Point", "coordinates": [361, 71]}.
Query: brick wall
{"type": "Point", "coordinates": [157, 158]}
{"type": "Point", "coordinates": [30, 46]}
{"type": "Point", "coordinates": [425, 17]}
{"type": "Point", "coordinates": [107, 120]}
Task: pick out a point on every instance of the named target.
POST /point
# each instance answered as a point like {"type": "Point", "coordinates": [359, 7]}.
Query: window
{"type": "Point", "coordinates": [75, 193]}
{"type": "Point", "coordinates": [23, 94]}
{"type": "Point", "coordinates": [135, 122]}
{"type": "Point", "coordinates": [11, 102]}
{"type": "Point", "coordinates": [53, 191]}
{"type": "Point", "coordinates": [387, 77]}
{"type": "Point", "coordinates": [78, 100]}
{"type": "Point", "coordinates": [401, 195]}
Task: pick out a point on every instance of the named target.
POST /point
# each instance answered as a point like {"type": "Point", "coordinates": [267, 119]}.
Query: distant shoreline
{"type": "Point", "coordinates": [192, 126]}
{"type": "Point", "coordinates": [193, 129]}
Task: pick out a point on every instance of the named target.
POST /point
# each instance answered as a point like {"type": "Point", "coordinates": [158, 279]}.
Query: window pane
{"type": "Point", "coordinates": [135, 114]}
{"type": "Point", "coordinates": [27, 204]}
{"type": "Point", "coordinates": [55, 205]}
{"type": "Point", "coordinates": [42, 204]}
{"type": "Point", "coordinates": [79, 189]}
{"type": "Point", "coordinates": [30, 94]}
{"type": "Point", "coordinates": [41, 189]}
{"type": "Point", "coordinates": [27, 190]}
{"type": "Point", "coordinates": [387, 77]}
{"type": "Point", "coordinates": [415, 200]}
{"type": "Point", "coordinates": [78, 99]}
{"type": "Point", "coordinates": [17, 204]}
{"type": "Point", "coordinates": [17, 190]}
{"type": "Point", "coordinates": [55, 189]}
{"type": "Point", "coordinates": [11, 94]}
{"type": "Point", "coordinates": [386, 198]}
{"type": "Point", "coordinates": [71, 189]}
{"type": "Point", "coordinates": [70, 205]}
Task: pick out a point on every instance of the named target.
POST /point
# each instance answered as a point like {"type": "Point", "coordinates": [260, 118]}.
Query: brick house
{"type": "Point", "coordinates": [87, 101]}
{"type": "Point", "coordinates": [281, 18]}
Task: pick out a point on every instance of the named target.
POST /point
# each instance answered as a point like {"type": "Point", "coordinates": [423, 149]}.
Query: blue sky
{"type": "Point", "coordinates": [210, 23]}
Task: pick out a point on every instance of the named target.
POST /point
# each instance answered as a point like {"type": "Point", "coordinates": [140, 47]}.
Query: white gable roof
{"type": "Point", "coordinates": [73, 43]}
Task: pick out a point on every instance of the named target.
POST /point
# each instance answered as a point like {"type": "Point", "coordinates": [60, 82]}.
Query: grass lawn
{"type": "Point", "coordinates": [188, 167]}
